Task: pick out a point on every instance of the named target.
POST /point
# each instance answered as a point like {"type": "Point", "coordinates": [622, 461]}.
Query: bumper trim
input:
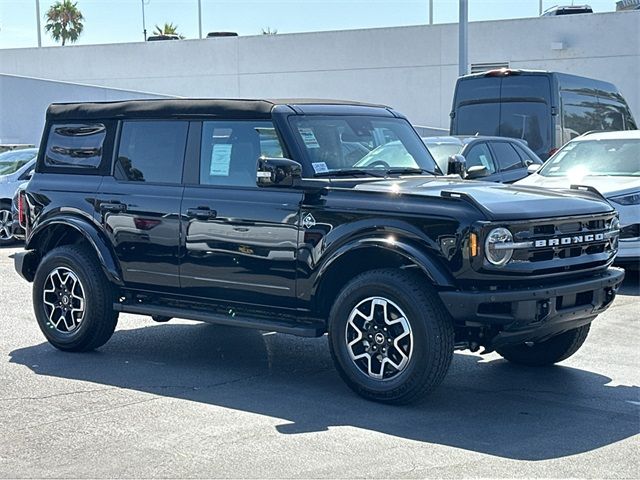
{"type": "Point", "coordinates": [534, 313]}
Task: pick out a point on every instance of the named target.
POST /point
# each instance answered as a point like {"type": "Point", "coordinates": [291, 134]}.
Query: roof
{"type": "Point", "coordinates": [465, 139]}
{"type": "Point", "coordinates": [621, 135]}
{"type": "Point", "coordinates": [214, 107]}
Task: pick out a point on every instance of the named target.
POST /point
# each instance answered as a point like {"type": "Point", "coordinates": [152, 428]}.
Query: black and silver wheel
{"type": "Point", "coordinates": [553, 350]}
{"type": "Point", "coordinates": [390, 336]}
{"type": "Point", "coordinates": [73, 300]}
{"type": "Point", "coordinates": [6, 219]}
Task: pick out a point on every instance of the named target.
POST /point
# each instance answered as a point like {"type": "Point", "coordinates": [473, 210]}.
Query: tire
{"type": "Point", "coordinates": [428, 347]}
{"type": "Point", "coordinates": [6, 217]}
{"type": "Point", "coordinates": [69, 273]}
{"type": "Point", "coordinates": [553, 350]}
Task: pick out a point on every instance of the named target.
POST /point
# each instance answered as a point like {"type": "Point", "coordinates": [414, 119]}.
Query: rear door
{"type": "Point", "coordinates": [139, 204]}
{"type": "Point", "coordinates": [240, 240]}
{"type": "Point", "coordinates": [511, 165]}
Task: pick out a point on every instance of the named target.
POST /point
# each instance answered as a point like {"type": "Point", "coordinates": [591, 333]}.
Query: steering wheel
{"type": "Point", "coordinates": [379, 163]}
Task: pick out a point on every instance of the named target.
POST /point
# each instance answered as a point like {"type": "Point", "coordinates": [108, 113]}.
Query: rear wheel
{"type": "Point", "coordinates": [390, 336]}
{"type": "Point", "coordinates": [6, 219]}
{"type": "Point", "coordinates": [553, 350]}
{"type": "Point", "coordinates": [73, 300]}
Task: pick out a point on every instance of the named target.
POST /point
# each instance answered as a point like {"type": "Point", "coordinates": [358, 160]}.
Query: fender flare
{"type": "Point", "coordinates": [427, 262]}
{"type": "Point", "coordinates": [106, 256]}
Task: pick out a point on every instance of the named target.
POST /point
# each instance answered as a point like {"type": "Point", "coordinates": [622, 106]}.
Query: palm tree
{"type": "Point", "coordinates": [269, 31]}
{"type": "Point", "coordinates": [167, 29]}
{"type": "Point", "coordinates": [64, 21]}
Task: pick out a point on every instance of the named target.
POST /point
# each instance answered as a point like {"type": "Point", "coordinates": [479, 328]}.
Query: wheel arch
{"type": "Point", "coordinates": [367, 254]}
{"type": "Point", "coordinates": [68, 230]}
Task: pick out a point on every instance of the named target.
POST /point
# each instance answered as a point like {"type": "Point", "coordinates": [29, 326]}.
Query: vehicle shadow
{"type": "Point", "coordinates": [489, 407]}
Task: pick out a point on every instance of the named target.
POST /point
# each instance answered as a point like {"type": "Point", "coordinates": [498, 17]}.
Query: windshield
{"type": "Point", "coordinates": [442, 151]}
{"type": "Point", "coordinates": [595, 157]}
{"type": "Point", "coordinates": [361, 144]}
{"type": "Point", "coordinates": [11, 162]}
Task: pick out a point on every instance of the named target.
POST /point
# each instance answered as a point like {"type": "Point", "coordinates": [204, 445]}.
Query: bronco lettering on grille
{"type": "Point", "coordinates": [574, 240]}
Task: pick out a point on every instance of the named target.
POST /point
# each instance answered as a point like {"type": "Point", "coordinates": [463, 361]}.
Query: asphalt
{"type": "Point", "coordinates": [183, 399]}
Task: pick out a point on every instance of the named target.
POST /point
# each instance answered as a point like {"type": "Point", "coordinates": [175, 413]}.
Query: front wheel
{"type": "Point", "coordinates": [73, 300]}
{"type": "Point", "coordinates": [6, 219]}
{"type": "Point", "coordinates": [391, 338]}
{"type": "Point", "coordinates": [551, 351]}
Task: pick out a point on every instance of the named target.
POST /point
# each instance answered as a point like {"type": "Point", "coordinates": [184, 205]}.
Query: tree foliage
{"type": "Point", "coordinates": [167, 29]}
{"type": "Point", "coordinates": [64, 21]}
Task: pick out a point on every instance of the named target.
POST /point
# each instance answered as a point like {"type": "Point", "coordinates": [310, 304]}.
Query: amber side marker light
{"type": "Point", "coordinates": [473, 245]}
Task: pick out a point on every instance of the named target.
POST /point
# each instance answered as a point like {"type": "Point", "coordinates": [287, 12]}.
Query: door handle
{"type": "Point", "coordinates": [201, 213]}
{"type": "Point", "coordinates": [115, 207]}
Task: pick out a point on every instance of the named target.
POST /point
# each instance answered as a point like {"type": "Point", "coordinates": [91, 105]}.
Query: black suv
{"type": "Point", "coordinates": [280, 216]}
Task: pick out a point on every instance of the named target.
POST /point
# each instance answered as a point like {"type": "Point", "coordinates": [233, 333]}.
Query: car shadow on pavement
{"type": "Point", "coordinates": [490, 407]}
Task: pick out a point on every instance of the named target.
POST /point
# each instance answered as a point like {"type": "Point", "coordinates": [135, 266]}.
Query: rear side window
{"type": "Point", "coordinates": [75, 145]}
{"type": "Point", "coordinates": [507, 157]}
{"type": "Point", "coordinates": [151, 151]}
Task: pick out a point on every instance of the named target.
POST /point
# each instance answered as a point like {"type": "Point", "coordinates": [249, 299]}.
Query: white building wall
{"type": "Point", "coordinates": [24, 101]}
{"type": "Point", "coordinates": [410, 68]}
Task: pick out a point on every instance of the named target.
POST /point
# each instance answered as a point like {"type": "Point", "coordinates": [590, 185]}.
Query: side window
{"type": "Point", "coordinates": [230, 150]}
{"type": "Point", "coordinates": [508, 158]}
{"type": "Point", "coordinates": [526, 157]}
{"type": "Point", "coordinates": [151, 151]}
{"type": "Point", "coordinates": [480, 155]}
{"type": "Point", "coordinates": [75, 145]}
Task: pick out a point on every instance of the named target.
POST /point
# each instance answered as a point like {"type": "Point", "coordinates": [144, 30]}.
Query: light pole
{"type": "Point", "coordinates": [38, 23]}
{"type": "Point", "coordinates": [430, 12]}
{"type": "Point", "coordinates": [200, 18]}
{"type": "Point", "coordinates": [463, 40]}
{"type": "Point", "coordinates": [144, 25]}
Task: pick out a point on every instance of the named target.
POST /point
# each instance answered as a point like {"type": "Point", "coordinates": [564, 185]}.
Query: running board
{"type": "Point", "coordinates": [299, 329]}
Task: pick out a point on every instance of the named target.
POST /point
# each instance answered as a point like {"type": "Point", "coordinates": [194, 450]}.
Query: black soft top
{"type": "Point", "coordinates": [234, 108]}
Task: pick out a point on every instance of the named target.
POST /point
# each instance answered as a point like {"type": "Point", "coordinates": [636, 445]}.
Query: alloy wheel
{"type": "Point", "coordinates": [379, 338]}
{"type": "Point", "coordinates": [64, 300]}
{"type": "Point", "coordinates": [6, 219]}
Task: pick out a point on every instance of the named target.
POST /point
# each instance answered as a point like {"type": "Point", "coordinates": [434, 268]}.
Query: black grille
{"type": "Point", "coordinates": [588, 240]}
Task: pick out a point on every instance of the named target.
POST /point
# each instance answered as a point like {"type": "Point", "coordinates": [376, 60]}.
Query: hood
{"type": "Point", "coordinates": [497, 201]}
{"type": "Point", "coordinates": [609, 186]}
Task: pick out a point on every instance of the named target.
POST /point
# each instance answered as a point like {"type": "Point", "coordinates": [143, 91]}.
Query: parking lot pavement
{"type": "Point", "coordinates": [190, 400]}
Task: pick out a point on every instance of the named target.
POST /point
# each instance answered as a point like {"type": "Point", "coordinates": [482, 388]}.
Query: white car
{"type": "Point", "coordinates": [16, 167]}
{"type": "Point", "coordinates": [610, 163]}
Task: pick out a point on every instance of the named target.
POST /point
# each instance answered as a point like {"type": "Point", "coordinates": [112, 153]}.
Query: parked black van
{"type": "Point", "coordinates": [547, 109]}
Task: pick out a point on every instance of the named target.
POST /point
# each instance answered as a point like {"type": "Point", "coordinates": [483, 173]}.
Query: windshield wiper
{"type": "Point", "coordinates": [347, 172]}
{"type": "Point", "coordinates": [408, 170]}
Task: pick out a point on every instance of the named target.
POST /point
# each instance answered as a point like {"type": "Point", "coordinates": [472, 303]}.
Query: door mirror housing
{"type": "Point", "coordinates": [457, 165]}
{"type": "Point", "coordinates": [533, 168]}
{"type": "Point", "coordinates": [477, 171]}
{"type": "Point", "coordinates": [277, 172]}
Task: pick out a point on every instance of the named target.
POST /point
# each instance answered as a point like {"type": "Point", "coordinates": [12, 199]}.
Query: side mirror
{"type": "Point", "coordinates": [477, 171]}
{"type": "Point", "coordinates": [457, 165]}
{"type": "Point", "coordinates": [533, 168]}
{"type": "Point", "coordinates": [277, 172]}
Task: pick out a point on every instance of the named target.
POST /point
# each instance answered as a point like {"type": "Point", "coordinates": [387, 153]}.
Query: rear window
{"type": "Point", "coordinates": [75, 145]}
{"type": "Point", "coordinates": [152, 151]}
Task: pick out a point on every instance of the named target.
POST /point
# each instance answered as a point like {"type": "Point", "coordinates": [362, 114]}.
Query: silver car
{"type": "Point", "coordinates": [16, 167]}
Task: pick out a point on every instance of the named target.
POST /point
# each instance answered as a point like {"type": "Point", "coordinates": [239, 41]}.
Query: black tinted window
{"type": "Point", "coordinates": [480, 155]}
{"type": "Point", "coordinates": [76, 145]}
{"type": "Point", "coordinates": [478, 118]}
{"type": "Point", "coordinates": [151, 151]}
{"type": "Point", "coordinates": [230, 151]}
{"type": "Point", "coordinates": [524, 155]}
{"type": "Point", "coordinates": [529, 121]}
{"type": "Point", "coordinates": [507, 157]}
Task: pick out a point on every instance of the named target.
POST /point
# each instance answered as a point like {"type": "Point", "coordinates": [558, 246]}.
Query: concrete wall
{"type": "Point", "coordinates": [24, 101]}
{"type": "Point", "coordinates": [411, 68]}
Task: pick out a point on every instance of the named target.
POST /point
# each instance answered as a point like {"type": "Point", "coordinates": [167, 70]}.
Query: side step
{"type": "Point", "coordinates": [299, 329]}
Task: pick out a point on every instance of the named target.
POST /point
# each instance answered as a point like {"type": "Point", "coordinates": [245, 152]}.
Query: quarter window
{"type": "Point", "coordinates": [152, 151]}
{"type": "Point", "coordinates": [507, 157]}
{"type": "Point", "coordinates": [230, 150]}
{"type": "Point", "coordinates": [75, 145]}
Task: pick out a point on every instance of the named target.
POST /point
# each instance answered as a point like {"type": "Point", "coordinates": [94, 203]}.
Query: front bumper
{"type": "Point", "coordinates": [533, 314]}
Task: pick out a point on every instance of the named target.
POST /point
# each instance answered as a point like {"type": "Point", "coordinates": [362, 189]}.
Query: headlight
{"type": "Point", "coordinates": [629, 199]}
{"type": "Point", "coordinates": [614, 232]}
{"type": "Point", "coordinates": [495, 249]}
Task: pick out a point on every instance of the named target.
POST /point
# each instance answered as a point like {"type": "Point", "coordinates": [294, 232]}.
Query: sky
{"type": "Point", "coordinates": [115, 21]}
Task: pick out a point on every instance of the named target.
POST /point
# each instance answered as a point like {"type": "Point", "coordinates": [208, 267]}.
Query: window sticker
{"type": "Point", "coordinates": [320, 167]}
{"type": "Point", "coordinates": [220, 160]}
{"type": "Point", "coordinates": [308, 138]}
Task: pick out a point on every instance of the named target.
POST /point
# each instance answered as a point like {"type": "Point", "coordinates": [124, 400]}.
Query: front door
{"type": "Point", "coordinates": [240, 240]}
